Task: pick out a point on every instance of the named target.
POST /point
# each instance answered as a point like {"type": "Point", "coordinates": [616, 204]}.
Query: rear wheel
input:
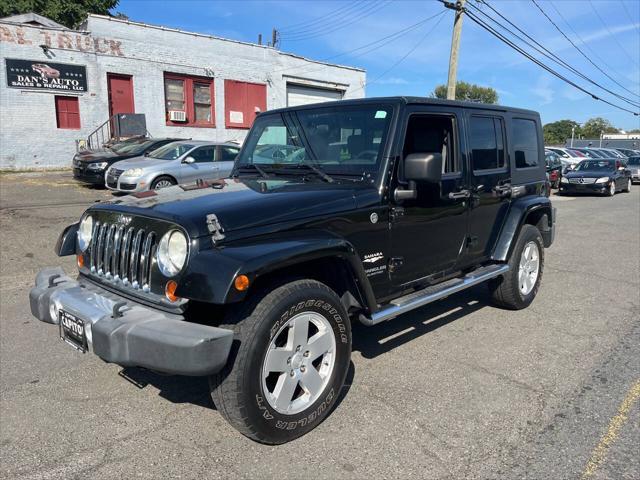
{"type": "Point", "coordinates": [163, 181]}
{"type": "Point", "coordinates": [291, 354]}
{"type": "Point", "coordinates": [517, 288]}
{"type": "Point", "coordinates": [627, 189]}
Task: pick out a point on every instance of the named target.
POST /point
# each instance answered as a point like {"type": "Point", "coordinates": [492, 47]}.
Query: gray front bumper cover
{"type": "Point", "coordinates": [139, 336]}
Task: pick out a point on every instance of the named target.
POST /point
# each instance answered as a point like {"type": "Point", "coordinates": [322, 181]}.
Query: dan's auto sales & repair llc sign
{"type": "Point", "coordinates": [46, 75]}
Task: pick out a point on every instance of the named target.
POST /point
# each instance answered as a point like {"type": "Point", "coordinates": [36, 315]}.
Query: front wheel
{"type": "Point", "coordinates": [291, 356]}
{"type": "Point", "coordinates": [612, 189]}
{"type": "Point", "coordinates": [517, 288]}
{"type": "Point", "coordinates": [162, 182]}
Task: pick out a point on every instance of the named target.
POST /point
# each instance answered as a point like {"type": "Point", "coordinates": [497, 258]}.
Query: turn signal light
{"type": "Point", "coordinates": [241, 283]}
{"type": "Point", "coordinates": [80, 259]}
{"type": "Point", "coordinates": [170, 290]}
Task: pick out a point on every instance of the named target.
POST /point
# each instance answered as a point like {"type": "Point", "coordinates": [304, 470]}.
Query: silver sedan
{"type": "Point", "coordinates": [177, 162]}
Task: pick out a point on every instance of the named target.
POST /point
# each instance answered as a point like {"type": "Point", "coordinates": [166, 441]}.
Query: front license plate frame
{"type": "Point", "coordinates": [73, 330]}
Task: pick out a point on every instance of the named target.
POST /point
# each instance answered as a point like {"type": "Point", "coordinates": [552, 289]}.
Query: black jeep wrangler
{"type": "Point", "coordinates": [349, 211]}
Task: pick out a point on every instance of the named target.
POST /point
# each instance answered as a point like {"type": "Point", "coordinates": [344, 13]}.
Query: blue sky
{"type": "Point", "coordinates": [614, 45]}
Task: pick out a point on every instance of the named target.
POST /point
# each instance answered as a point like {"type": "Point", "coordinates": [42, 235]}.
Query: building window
{"type": "Point", "coordinates": [242, 102]}
{"type": "Point", "coordinates": [487, 143]}
{"type": "Point", "coordinates": [67, 112]}
{"type": "Point", "coordinates": [525, 142]}
{"type": "Point", "coordinates": [192, 98]}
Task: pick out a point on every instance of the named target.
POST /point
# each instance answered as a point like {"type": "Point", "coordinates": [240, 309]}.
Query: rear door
{"type": "Point", "coordinates": [489, 181]}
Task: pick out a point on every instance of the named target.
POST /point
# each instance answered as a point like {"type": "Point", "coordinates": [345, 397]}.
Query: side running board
{"type": "Point", "coordinates": [431, 294]}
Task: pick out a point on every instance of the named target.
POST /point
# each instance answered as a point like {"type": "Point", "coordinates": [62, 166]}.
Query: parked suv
{"type": "Point", "coordinates": [174, 163]}
{"type": "Point", "coordinates": [370, 208]}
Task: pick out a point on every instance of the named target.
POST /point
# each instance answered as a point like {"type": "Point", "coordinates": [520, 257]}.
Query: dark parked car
{"type": "Point", "coordinates": [604, 176]}
{"type": "Point", "coordinates": [89, 167]}
{"type": "Point", "coordinates": [628, 152]}
{"type": "Point", "coordinates": [633, 165]}
{"type": "Point", "coordinates": [554, 168]}
{"type": "Point", "coordinates": [369, 209]}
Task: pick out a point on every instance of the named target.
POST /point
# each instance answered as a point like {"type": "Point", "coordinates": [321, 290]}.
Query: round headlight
{"type": "Point", "coordinates": [85, 231]}
{"type": "Point", "coordinates": [172, 253]}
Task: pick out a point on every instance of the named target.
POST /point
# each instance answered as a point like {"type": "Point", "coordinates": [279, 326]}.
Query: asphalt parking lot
{"type": "Point", "coordinates": [459, 389]}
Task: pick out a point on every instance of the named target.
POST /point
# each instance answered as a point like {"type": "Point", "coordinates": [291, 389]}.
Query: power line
{"type": "Point", "coordinates": [586, 45]}
{"type": "Point", "coordinates": [527, 55]}
{"type": "Point", "coordinates": [624, 7]}
{"type": "Point", "coordinates": [404, 57]}
{"type": "Point", "coordinates": [375, 45]}
{"type": "Point", "coordinates": [548, 53]}
{"type": "Point", "coordinates": [307, 23]}
{"type": "Point", "coordinates": [580, 50]}
{"type": "Point", "coordinates": [612, 35]}
{"type": "Point", "coordinates": [321, 31]}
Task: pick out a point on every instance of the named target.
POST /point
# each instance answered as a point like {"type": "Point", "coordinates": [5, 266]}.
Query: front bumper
{"type": "Point", "coordinates": [93, 177]}
{"type": "Point", "coordinates": [585, 187]}
{"type": "Point", "coordinates": [126, 184]}
{"type": "Point", "coordinates": [127, 333]}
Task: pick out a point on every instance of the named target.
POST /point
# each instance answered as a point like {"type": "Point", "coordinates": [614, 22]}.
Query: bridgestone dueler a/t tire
{"type": "Point", "coordinates": [505, 291]}
{"type": "Point", "coordinates": [237, 391]}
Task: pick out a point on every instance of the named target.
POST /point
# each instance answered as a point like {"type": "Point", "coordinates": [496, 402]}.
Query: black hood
{"type": "Point", "coordinates": [103, 156]}
{"type": "Point", "coordinates": [589, 174]}
{"type": "Point", "coordinates": [236, 204]}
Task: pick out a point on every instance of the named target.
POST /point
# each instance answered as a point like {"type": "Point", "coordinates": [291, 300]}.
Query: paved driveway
{"type": "Point", "coordinates": [456, 390]}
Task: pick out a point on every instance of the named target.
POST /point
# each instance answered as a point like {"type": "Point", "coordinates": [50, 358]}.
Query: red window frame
{"type": "Point", "coordinates": [67, 112]}
{"type": "Point", "coordinates": [243, 97]}
{"type": "Point", "coordinates": [189, 104]}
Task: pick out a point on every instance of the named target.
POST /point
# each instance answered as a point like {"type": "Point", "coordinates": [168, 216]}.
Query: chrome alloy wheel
{"type": "Point", "coordinates": [163, 184]}
{"type": "Point", "coordinates": [298, 363]}
{"type": "Point", "coordinates": [612, 189]}
{"type": "Point", "coordinates": [529, 268]}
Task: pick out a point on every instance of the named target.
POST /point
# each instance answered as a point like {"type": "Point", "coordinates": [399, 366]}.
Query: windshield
{"type": "Point", "coordinates": [132, 148]}
{"type": "Point", "coordinates": [596, 165]}
{"type": "Point", "coordinates": [171, 151]}
{"type": "Point", "coordinates": [336, 139]}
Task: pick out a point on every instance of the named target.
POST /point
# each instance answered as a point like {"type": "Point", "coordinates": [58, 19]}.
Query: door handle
{"type": "Point", "coordinates": [502, 190]}
{"type": "Point", "coordinates": [462, 194]}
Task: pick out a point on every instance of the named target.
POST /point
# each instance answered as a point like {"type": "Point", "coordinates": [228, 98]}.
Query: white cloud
{"type": "Point", "coordinates": [393, 81]}
{"type": "Point", "coordinates": [543, 90]}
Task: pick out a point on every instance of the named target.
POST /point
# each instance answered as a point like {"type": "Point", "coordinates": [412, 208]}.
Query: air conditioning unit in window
{"type": "Point", "coordinates": [177, 115]}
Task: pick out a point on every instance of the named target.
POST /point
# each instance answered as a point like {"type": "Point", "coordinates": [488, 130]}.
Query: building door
{"type": "Point", "coordinates": [120, 89]}
{"type": "Point", "coordinates": [303, 95]}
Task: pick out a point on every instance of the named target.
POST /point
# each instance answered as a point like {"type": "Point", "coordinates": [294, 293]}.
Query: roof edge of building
{"type": "Point", "coordinates": [215, 37]}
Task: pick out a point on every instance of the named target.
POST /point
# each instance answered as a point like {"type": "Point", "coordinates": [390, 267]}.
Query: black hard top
{"type": "Point", "coordinates": [412, 101]}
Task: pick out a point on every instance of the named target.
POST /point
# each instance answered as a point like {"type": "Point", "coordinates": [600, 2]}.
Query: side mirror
{"type": "Point", "coordinates": [423, 167]}
{"type": "Point", "coordinates": [419, 167]}
{"type": "Point", "coordinates": [189, 160]}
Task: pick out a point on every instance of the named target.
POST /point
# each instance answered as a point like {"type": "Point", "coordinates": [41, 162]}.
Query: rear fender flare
{"type": "Point", "coordinates": [520, 211]}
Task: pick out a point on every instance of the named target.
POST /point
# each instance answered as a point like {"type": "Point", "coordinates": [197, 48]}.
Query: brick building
{"type": "Point", "coordinates": [58, 85]}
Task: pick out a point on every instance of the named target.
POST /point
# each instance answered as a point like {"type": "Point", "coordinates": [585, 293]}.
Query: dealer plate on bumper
{"type": "Point", "coordinates": [72, 330]}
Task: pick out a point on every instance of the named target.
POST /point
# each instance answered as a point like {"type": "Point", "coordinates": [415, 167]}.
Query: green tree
{"type": "Point", "coordinates": [69, 13]}
{"type": "Point", "coordinates": [593, 127]}
{"type": "Point", "coordinates": [469, 92]}
{"type": "Point", "coordinates": [556, 133]}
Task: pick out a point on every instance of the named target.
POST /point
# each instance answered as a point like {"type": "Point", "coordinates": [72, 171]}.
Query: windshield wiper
{"type": "Point", "coordinates": [253, 166]}
{"type": "Point", "coordinates": [327, 178]}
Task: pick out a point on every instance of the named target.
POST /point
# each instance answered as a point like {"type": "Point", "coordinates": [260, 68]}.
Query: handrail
{"type": "Point", "coordinates": [106, 133]}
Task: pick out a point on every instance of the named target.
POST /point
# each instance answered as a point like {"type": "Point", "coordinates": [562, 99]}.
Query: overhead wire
{"type": "Point", "coordinates": [537, 46]}
{"type": "Point", "coordinates": [405, 56]}
{"type": "Point", "coordinates": [306, 24]}
{"type": "Point", "coordinates": [339, 25]}
{"type": "Point", "coordinates": [612, 35]}
{"type": "Point", "coordinates": [585, 44]}
{"type": "Point", "coordinates": [478, 21]}
{"type": "Point", "coordinates": [629, 16]}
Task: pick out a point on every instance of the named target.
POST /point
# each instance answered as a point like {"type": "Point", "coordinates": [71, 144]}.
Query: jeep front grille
{"type": "Point", "coordinates": [122, 253]}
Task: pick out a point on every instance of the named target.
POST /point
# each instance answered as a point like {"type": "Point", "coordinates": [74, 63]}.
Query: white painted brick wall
{"type": "Point", "coordinates": [28, 134]}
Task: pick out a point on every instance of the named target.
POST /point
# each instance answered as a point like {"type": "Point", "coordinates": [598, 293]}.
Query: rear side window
{"type": "Point", "coordinates": [525, 142]}
{"type": "Point", "coordinates": [487, 143]}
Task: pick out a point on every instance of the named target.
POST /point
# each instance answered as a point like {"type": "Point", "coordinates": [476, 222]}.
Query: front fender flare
{"type": "Point", "coordinates": [211, 273]}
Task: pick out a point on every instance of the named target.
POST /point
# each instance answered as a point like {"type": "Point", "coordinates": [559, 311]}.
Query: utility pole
{"type": "Point", "coordinates": [455, 46]}
{"type": "Point", "coordinates": [573, 132]}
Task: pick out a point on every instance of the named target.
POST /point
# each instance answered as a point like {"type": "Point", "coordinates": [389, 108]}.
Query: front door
{"type": "Point", "coordinates": [120, 89]}
{"type": "Point", "coordinates": [428, 233]}
{"type": "Point", "coordinates": [203, 166]}
{"type": "Point", "coordinates": [489, 182]}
